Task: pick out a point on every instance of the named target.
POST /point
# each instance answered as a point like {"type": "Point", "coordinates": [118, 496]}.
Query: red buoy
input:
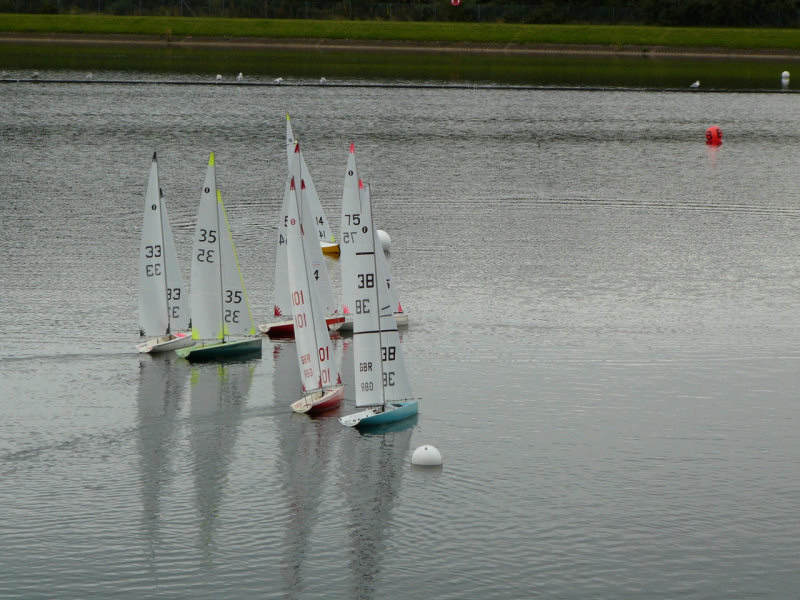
{"type": "Point", "coordinates": [714, 135]}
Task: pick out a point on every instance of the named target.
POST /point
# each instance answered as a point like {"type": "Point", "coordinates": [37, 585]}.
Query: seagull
{"type": "Point", "coordinates": [322, 80]}
{"type": "Point", "coordinates": [278, 79]}
{"type": "Point", "coordinates": [239, 77]}
{"type": "Point", "coordinates": [219, 77]}
{"type": "Point", "coordinates": [696, 84]}
{"type": "Point", "coordinates": [89, 76]}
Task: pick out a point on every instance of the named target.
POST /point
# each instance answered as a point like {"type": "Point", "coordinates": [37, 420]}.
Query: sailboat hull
{"type": "Point", "coordinates": [329, 248]}
{"type": "Point", "coordinates": [221, 350]}
{"type": "Point", "coordinates": [394, 411]}
{"type": "Point", "coordinates": [320, 401]}
{"type": "Point", "coordinates": [401, 319]}
{"type": "Point", "coordinates": [285, 329]}
{"type": "Point", "coordinates": [166, 343]}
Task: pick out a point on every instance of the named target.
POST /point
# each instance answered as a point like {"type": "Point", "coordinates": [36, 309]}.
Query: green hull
{"type": "Point", "coordinates": [221, 350]}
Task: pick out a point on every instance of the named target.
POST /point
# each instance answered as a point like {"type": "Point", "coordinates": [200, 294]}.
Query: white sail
{"type": "Point", "coordinates": [177, 299]}
{"type": "Point", "coordinates": [235, 307]}
{"type": "Point", "coordinates": [207, 264]}
{"type": "Point", "coordinates": [366, 313]}
{"type": "Point", "coordinates": [349, 230]}
{"type": "Point", "coordinates": [313, 345]}
{"type": "Point", "coordinates": [153, 309]}
{"type": "Point", "coordinates": [322, 280]}
{"type": "Point", "coordinates": [396, 383]}
{"type": "Point", "coordinates": [383, 266]}
{"type": "Point", "coordinates": [321, 225]}
{"type": "Point", "coordinates": [219, 301]}
{"type": "Point", "coordinates": [281, 300]}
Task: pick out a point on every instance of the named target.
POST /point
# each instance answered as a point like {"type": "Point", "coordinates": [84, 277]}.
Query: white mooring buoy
{"type": "Point", "coordinates": [385, 240]}
{"type": "Point", "coordinates": [426, 456]}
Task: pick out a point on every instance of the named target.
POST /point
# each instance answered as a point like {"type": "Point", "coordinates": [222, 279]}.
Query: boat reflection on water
{"type": "Point", "coordinates": [375, 460]}
{"type": "Point", "coordinates": [286, 374]}
{"type": "Point", "coordinates": [305, 448]}
{"type": "Point", "coordinates": [218, 397]}
{"type": "Point", "coordinates": [162, 382]}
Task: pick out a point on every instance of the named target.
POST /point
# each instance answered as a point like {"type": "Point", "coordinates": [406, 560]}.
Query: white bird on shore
{"type": "Point", "coordinates": [239, 77]}
{"type": "Point", "coordinates": [696, 84]}
{"type": "Point", "coordinates": [322, 80]}
{"type": "Point", "coordinates": [219, 77]}
{"type": "Point", "coordinates": [89, 76]}
{"type": "Point", "coordinates": [278, 79]}
{"type": "Point", "coordinates": [35, 75]}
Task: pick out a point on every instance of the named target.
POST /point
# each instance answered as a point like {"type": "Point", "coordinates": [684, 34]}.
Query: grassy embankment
{"type": "Point", "coordinates": [612, 36]}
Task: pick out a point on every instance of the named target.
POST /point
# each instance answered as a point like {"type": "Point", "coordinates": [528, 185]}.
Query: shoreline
{"type": "Point", "coordinates": [332, 45]}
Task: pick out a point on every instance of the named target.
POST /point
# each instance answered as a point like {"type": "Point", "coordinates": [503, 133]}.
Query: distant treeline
{"type": "Point", "coordinates": [701, 13]}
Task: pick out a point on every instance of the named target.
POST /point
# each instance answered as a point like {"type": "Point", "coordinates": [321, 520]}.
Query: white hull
{"type": "Point", "coordinates": [166, 343]}
{"type": "Point", "coordinates": [347, 325]}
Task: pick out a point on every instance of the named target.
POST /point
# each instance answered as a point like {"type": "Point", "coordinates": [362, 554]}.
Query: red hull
{"type": "Point", "coordinates": [330, 399]}
{"type": "Point", "coordinates": [285, 329]}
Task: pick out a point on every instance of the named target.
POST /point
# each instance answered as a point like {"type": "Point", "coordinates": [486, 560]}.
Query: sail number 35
{"type": "Point", "coordinates": [207, 255]}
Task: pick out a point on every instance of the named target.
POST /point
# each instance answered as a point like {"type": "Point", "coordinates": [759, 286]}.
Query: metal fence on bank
{"type": "Point", "coordinates": [488, 11]}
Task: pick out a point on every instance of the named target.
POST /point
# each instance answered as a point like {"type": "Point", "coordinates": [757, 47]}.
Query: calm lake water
{"type": "Point", "coordinates": [603, 333]}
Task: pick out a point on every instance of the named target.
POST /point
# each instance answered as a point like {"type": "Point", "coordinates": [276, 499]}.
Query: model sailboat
{"type": "Point", "coordinates": [219, 303]}
{"type": "Point", "coordinates": [283, 325]}
{"type": "Point", "coordinates": [322, 384]}
{"type": "Point", "coordinates": [163, 310]}
{"type": "Point", "coordinates": [383, 390]}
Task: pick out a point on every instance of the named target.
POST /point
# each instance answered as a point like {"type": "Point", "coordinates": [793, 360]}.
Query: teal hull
{"type": "Point", "coordinates": [222, 350]}
{"type": "Point", "coordinates": [396, 411]}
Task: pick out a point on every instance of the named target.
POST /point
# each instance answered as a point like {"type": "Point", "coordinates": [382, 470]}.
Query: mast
{"type": "Point", "coordinates": [163, 249]}
{"type": "Point", "coordinates": [219, 249]}
{"type": "Point", "coordinates": [377, 287]}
